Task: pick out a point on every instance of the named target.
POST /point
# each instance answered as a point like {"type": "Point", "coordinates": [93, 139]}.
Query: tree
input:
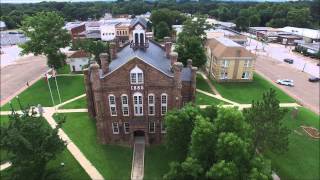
{"type": "Point", "coordinates": [162, 30]}
{"type": "Point", "coordinates": [194, 27]}
{"type": "Point", "coordinates": [46, 37]}
{"type": "Point", "coordinates": [266, 118]}
{"type": "Point", "coordinates": [203, 142]}
{"type": "Point", "coordinates": [191, 48]}
{"type": "Point", "coordinates": [179, 126]}
{"type": "Point", "coordinates": [223, 170]}
{"type": "Point", "coordinates": [299, 17]}
{"type": "Point", "coordinates": [95, 48]}
{"type": "Point", "coordinates": [32, 143]}
{"type": "Point", "coordinates": [242, 23]}
{"type": "Point", "coordinates": [189, 169]}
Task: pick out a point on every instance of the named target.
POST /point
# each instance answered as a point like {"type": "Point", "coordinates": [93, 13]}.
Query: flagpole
{"type": "Point", "coordinates": [55, 77]}
{"type": "Point", "coordinates": [50, 90]}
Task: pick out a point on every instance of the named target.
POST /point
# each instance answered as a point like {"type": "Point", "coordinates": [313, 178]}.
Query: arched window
{"type": "Point", "coordinates": [138, 104]}
{"type": "Point", "coordinates": [112, 105]}
{"type": "Point", "coordinates": [136, 38]}
{"type": "Point", "coordinates": [164, 103]}
{"type": "Point", "coordinates": [141, 38]}
{"type": "Point", "coordinates": [125, 105]}
{"type": "Point", "coordinates": [151, 105]}
{"type": "Point", "coordinates": [136, 76]}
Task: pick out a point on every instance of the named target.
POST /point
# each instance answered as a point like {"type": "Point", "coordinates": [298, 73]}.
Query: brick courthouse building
{"type": "Point", "coordinates": [130, 94]}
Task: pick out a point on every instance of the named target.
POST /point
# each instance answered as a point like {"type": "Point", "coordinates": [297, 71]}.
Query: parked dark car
{"type": "Point", "coordinates": [287, 60]}
{"type": "Point", "coordinates": [318, 64]}
{"type": "Point", "coordinates": [314, 79]}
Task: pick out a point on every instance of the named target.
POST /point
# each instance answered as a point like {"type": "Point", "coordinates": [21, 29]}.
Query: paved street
{"type": "Point", "coordinates": [15, 76]}
{"type": "Point", "coordinates": [305, 92]}
{"type": "Point", "coordinates": [280, 52]}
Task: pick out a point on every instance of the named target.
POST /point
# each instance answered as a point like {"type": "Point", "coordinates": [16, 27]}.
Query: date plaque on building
{"type": "Point", "coordinates": [136, 88]}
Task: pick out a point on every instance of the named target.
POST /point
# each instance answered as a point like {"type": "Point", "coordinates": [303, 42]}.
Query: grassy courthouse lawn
{"type": "Point", "coordinates": [38, 93]}
{"type": "Point", "coordinates": [245, 92]}
{"type": "Point", "coordinates": [70, 171]}
{"type": "Point", "coordinates": [302, 159]}
{"type": "Point", "coordinates": [113, 162]}
{"type": "Point", "coordinates": [77, 104]}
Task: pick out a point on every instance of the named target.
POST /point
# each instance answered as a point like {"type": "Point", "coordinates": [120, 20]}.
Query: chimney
{"type": "Point", "coordinates": [113, 51]}
{"type": "Point", "coordinates": [104, 58]}
{"type": "Point", "coordinates": [173, 58]}
{"type": "Point", "coordinates": [167, 47]}
{"type": "Point", "coordinates": [177, 68]}
{"type": "Point", "coordinates": [189, 63]}
{"type": "Point", "coordinates": [193, 82]}
{"type": "Point", "coordinates": [166, 39]}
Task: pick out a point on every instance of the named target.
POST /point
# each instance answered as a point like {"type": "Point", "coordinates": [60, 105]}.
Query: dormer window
{"type": "Point", "coordinates": [136, 76]}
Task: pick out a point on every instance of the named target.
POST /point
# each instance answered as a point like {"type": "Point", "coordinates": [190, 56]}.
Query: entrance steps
{"type": "Point", "coordinates": [137, 170]}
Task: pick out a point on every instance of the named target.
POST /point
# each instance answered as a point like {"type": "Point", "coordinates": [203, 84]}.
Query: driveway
{"type": "Point", "coordinates": [15, 76]}
{"type": "Point", "coordinates": [305, 92]}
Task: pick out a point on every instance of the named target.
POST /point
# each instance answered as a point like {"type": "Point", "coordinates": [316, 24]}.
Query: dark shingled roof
{"type": "Point", "coordinates": [154, 55]}
{"type": "Point", "coordinates": [140, 20]}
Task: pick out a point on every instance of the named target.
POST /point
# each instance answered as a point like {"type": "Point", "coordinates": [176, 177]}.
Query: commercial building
{"type": "Point", "coordinates": [135, 87]}
{"type": "Point", "coordinates": [228, 61]}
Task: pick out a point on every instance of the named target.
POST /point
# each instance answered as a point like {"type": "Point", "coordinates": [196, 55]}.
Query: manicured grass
{"type": "Point", "coordinates": [157, 160]}
{"type": "Point", "coordinates": [38, 93]}
{"type": "Point", "coordinates": [64, 70]}
{"type": "Point", "coordinates": [77, 104]}
{"type": "Point", "coordinates": [245, 92]}
{"type": "Point", "coordinates": [4, 156]}
{"type": "Point", "coordinates": [113, 162]}
{"type": "Point", "coordinates": [202, 84]}
{"type": "Point", "coordinates": [202, 99]}
{"type": "Point", "coordinates": [71, 169]}
{"type": "Point", "coordinates": [303, 159]}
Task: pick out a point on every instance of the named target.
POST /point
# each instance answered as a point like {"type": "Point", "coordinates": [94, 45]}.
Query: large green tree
{"type": "Point", "coordinates": [47, 36]}
{"type": "Point", "coordinates": [162, 30]}
{"type": "Point", "coordinates": [95, 48]}
{"type": "Point", "coordinates": [266, 118]}
{"type": "Point", "coordinates": [32, 143]}
{"type": "Point", "coordinates": [221, 149]}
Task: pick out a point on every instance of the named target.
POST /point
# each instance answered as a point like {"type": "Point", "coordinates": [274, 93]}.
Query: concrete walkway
{"type": "Point", "coordinates": [73, 149]}
{"type": "Point", "coordinates": [5, 166]}
{"type": "Point", "coordinates": [243, 106]}
{"type": "Point", "coordinates": [209, 83]}
{"type": "Point", "coordinates": [137, 170]}
{"type": "Point", "coordinates": [70, 100]}
{"type": "Point", "coordinates": [217, 97]}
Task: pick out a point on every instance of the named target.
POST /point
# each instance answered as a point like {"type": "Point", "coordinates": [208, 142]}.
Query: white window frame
{"type": "Point", "coordinates": [125, 105]}
{"type": "Point", "coordinates": [137, 106]}
{"type": "Point", "coordinates": [247, 63]}
{"type": "Point", "coordinates": [225, 63]}
{"type": "Point", "coordinates": [112, 105]}
{"type": "Point", "coordinates": [164, 105]}
{"type": "Point", "coordinates": [151, 105]}
{"type": "Point", "coordinates": [162, 125]}
{"type": "Point", "coordinates": [154, 127]}
{"type": "Point", "coordinates": [224, 74]}
{"type": "Point", "coordinates": [136, 76]}
{"type": "Point", "coordinates": [125, 126]}
{"type": "Point", "coordinates": [115, 125]}
{"type": "Point", "coordinates": [246, 75]}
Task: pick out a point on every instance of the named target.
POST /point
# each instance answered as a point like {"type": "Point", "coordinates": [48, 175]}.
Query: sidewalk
{"type": "Point", "coordinates": [74, 150]}
{"type": "Point", "coordinates": [137, 170]}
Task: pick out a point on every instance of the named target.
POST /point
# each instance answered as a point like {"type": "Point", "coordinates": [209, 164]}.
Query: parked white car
{"type": "Point", "coordinates": [286, 82]}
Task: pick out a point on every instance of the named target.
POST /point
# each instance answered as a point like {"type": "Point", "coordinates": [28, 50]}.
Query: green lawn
{"type": "Point", "coordinates": [113, 162]}
{"type": "Point", "coordinates": [4, 156]}
{"type": "Point", "coordinates": [157, 159]}
{"type": "Point", "coordinates": [70, 171]}
{"type": "Point", "coordinates": [38, 93]}
{"type": "Point", "coordinates": [77, 104]}
{"type": "Point", "coordinates": [245, 92]}
{"type": "Point", "coordinates": [202, 99]}
{"type": "Point", "coordinates": [202, 84]}
{"type": "Point", "coordinates": [64, 70]}
{"type": "Point", "coordinates": [302, 159]}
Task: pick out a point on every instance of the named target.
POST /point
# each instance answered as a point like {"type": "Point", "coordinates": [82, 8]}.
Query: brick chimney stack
{"type": "Point", "coordinates": [104, 58]}
{"type": "Point", "coordinates": [113, 50]}
{"type": "Point", "coordinates": [189, 63]}
{"type": "Point", "coordinates": [177, 68]}
{"type": "Point", "coordinates": [173, 58]}
{"type": "Point", "coordinates": [194, 82]}
{"type": "Point", "coordinates": [167, 47]}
